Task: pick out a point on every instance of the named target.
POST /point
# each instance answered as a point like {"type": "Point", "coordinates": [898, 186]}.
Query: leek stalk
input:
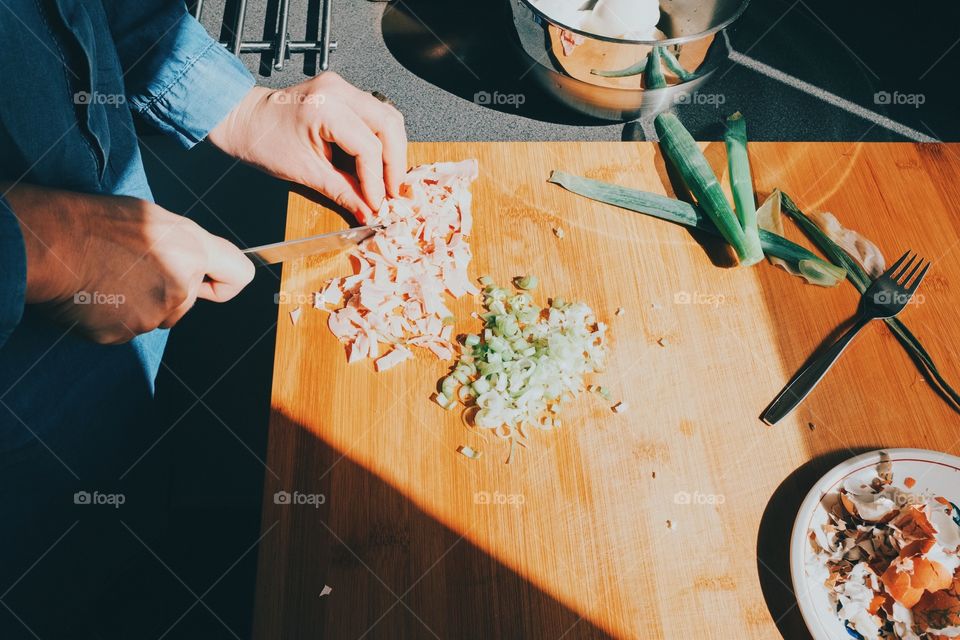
{"type": "Point", "coordinates": [653, 74]}
{"type": "Point", "coordinates": [741, 180]}
{"type": "Point", "coordinates": [674, 65]}
{"type": "Point", "coordinates": [686, 214]}
{"type": "Point", "coordinates": [685, 155]}
{"type": "Point", "coordinates": [633, 70]}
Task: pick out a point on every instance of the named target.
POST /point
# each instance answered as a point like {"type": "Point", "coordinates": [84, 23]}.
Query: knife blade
{"type": "Point", "coordinates": [324, 243]}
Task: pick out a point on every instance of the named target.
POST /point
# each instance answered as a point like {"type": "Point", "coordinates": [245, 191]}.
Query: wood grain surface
{"type": "Point", "coordinates": [669, 521]}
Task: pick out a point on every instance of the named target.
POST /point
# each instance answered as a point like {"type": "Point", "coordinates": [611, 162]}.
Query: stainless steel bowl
{"type": "Point", "coordinates": [596, 75]}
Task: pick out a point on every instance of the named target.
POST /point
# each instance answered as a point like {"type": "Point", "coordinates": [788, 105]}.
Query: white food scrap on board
{"type": "Point", "coordinates": [396, 296]}
{"type": "Point", "coordinates": [469, 452]}
{"type": "Point", "coordinates": [854, 244]}
{"type": "Point", "coordinates": [890, 559]}
{"type": "Point", "coordinates": [295, 315]}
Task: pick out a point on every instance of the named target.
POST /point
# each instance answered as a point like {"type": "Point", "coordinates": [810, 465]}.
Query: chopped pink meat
{"type": "Point", "coordinates": [397, 293]}
{"type": "Point", "coordinates": [392, 359]}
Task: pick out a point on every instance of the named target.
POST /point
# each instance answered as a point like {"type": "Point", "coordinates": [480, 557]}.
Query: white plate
{"type": "Point", "coordinates": [934, 471]}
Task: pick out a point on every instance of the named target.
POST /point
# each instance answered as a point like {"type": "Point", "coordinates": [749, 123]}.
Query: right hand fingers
{"type": "Point", "coordinates": [181, 310]}
{"type": "Point", "coordinates": [228, 270]}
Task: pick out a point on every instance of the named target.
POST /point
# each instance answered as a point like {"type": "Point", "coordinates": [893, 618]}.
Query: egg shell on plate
{"type": "Point", "coordinates": [939, 610]}
{"type": "Point", "coordinates": [938, 474]}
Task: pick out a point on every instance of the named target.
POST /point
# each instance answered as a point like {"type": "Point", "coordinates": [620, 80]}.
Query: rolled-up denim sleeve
{"type": "Point", "coordinates": [13, 271]}
{"type": "Point", "coordinates": [177, 77]}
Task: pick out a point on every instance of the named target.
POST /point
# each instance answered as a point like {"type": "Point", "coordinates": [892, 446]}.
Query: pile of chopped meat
{"type": "Point", "coordinates": [889, 559]}
{"type": "Point", "coordinates": [396, 296]}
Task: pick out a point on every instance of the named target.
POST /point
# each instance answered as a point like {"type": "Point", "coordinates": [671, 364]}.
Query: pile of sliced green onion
{"type": "Point", "coordinates": [526, 362]}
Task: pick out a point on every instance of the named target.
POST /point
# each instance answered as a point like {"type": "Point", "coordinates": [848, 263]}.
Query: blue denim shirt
{"type": "Point", "coordinates": [76, 74]}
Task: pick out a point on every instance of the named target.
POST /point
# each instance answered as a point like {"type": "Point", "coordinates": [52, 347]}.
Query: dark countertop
{"type": "Point", "coordinates": [432, 57]}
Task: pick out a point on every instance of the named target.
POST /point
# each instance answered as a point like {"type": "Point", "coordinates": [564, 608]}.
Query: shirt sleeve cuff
{"type": "Point", "coordinates": [13, 271]}
{"type": "Point", "coordinates": [195, 88]}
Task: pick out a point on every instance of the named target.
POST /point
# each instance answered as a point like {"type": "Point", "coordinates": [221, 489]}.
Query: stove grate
{"type": "Point", "coordinates": [282, 47]}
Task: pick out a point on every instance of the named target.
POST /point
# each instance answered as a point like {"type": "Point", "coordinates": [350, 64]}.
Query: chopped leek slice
{"type": "Point", "coordinates": [469, 452]}
{"type": "Point", "coordinates": [480, 386]}
{"type": "Point", "coordinates": [820, 272]}
{"type": "Point", "coordinates": [526, 363]}
{"type": "Point", "coordinates": [465, 392]}
{"type": "Point", "coordinates": [526, 282]}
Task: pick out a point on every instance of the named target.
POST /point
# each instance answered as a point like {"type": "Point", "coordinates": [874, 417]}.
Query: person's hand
{"type": "Point", "coordinates": [116, 266]}
{"type": "Point", "coordinates": [290, 133]}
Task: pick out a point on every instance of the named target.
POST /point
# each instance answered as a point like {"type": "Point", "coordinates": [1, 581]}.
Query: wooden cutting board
{"type": "Point", "coordinates": [671, 520]}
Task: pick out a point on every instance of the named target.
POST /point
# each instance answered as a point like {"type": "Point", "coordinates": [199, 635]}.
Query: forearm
{"type": "Point", "coordinates": [235, 134]}
{"type": "Point", "coordinates": [141, 265]}
{"type": "Point", "coordinates": [50, 222]}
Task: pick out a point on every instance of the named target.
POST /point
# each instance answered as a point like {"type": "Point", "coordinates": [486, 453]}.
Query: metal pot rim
{"type": "Point", "coordinates": [667, 41]}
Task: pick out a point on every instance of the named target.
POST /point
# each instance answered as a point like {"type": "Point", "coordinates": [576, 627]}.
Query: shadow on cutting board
{"type": "Point", "coordinates": [376, 549]}
{"type": "Point", "coordinates": [773, 540]}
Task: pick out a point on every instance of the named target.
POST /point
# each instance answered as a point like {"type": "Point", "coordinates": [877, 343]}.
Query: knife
{"type": "Point", "coordinates": [323, 243]}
